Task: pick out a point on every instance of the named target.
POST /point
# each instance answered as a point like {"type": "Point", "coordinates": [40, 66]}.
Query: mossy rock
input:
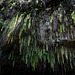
{"type": "Point", "coordinates": [68, 43]}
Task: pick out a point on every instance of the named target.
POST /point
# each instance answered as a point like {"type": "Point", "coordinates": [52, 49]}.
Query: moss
{"type": "Point", "coordinates": [1, 25]}
{"type": "Point", "coordinates": [73, 15]}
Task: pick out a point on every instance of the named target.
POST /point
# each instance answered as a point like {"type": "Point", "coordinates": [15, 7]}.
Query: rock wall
{"type": "Point", "coordinates": [52, 18]}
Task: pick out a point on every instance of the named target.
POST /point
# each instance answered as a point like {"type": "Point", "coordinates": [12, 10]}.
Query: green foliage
{"type": "Point", "coordinates": [1, 23]}
{"type": "Point", "coordinates": [73, 15]}
{"type": "Point", "coordinates": [1, 26]}
{"type": "Point", "coordinates": [29, 51]}
{"type": "Point", "coordinates": [10, 2]}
